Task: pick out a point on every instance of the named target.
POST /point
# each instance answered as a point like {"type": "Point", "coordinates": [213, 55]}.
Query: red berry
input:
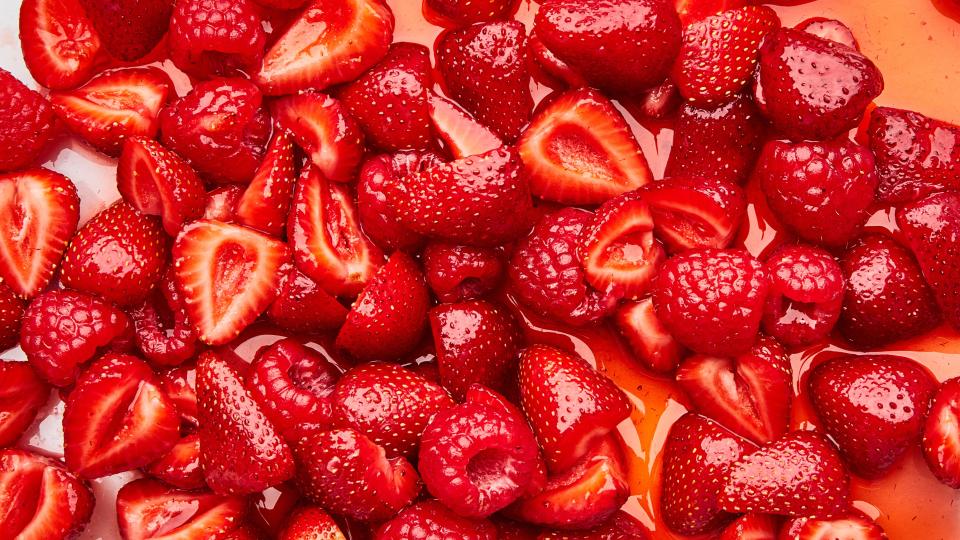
{"type": "Point", "coordinates": [460, 132]}
{"type": "Point", "coordinates": [622, 526]}
{"type": "Point", "coordinates": [162, 327]}
{"type": "Point", "coordinates": [806, 292]}
{"type": "Point", "coordinates": [22, 393]}
{"type": "Point", "coordinates": [695, 211]}
{"type": "Point", "coordinates": [941, 434]}
{"type": "Point", "coordinates": [830, 29]}
{"type": "Point", "coordinates": [752, 527]}
{"type": "Point", "coordinates": [310, 522]}
{"type": "Point", "coordinates": [430, 520]}
{"type": "Point", "coordinates": [455, 13]}
{"type": "Point", "coordinates": [222, 203]}
{"type": "Point", "coordinates": [648, 338]}
{"type": "Point", "coordinates": [148, 509]}
{"type": "Point", "coordinates": [303, 306]}
{"type": "Point", "coordinates": [854, 525]}
{"type": "Point", "coordinates": [26, 123]}
{"type": "Point", "coordinates": [44, 500]}
{"type": "Point", "coordinates": [59, 42]}
{"type": "Point", "coordinates": [265, 203]}
{"type": "Point", "coordinates": [180, 467]}
{"type": "Point", "coordinates": [211, 38]}
{"type": "Point", "coordinates": [129, 29]}
{"type": "Point", "coordinates": [11, 317]}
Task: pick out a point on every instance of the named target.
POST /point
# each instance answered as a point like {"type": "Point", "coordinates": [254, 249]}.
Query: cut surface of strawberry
{"type": "Point", "coordinates": [648, 338]}
{"type": "Point", "coordinates": [149, 509]}
{"type": "Point", "coordinates": [309, 522]}
{"type": "Point", "coordinates": [941, 434]}
{"type": "Point", "coordinates": [463, 135]}
{"type": "Point", "coordinates": [326, 131]}
{"type": "Point", "coordinates": [695, 212]}
{"type": "Point", "coordinates": [22, 393]}
{"type": "Point", "coordinates": [59, 43]}
{"type": "Point", "coordinates": [180, 466]}
{"type": "Point", "coordinates": [855, 525]}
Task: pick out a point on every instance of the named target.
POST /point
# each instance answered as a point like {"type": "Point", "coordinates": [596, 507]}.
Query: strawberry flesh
{"type": "Point", "coordinates": [855, 525]}
{"type": "Point", "coordinates": [941, 434]}
{"type": "Point", "coordinates": [180, 467]}
{"type": "Point", "coordinates": [22, 393]}
{"type": "Point", "coordinates": [695, 212]}
{"type": "Point", "coordinates": [42, 499]}
{"type": "Point", "coordinates": [459, 130]}
{"type": "Point", "coordinates": [649, 340]}
{"type": "Point", "coordinates": [149, 509]}
{"type": "Point", "coordinates": [303, 306]}
{"type": "Point", "coordinates": [59, 43]}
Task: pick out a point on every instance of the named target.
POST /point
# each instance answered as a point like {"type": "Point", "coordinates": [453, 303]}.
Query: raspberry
{"type": "Point", "coordinates": [806, 292]}
{"type": "Point", "coordinates": [216, 37]}
{"type": "Point", "coordinates": [456, 273]}
{"type": "Point", "coordinates": [26, 123]}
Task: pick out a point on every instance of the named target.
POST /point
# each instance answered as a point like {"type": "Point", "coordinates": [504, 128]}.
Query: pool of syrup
{"type": "Point", "coordinates": [916, 44]}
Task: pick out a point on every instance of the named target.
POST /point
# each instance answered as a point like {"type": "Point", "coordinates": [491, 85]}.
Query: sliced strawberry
{"type": "Point", "coordinates": [222, 203]}
{"type": "Point", "coordinates": [303, 306]}
{"type": "Point", "coordinates": [583, 496]}
{"type": "Point", "coordinates": [59, 42]}
{"type": "Point", "coordinates": [129, 29]}
{"type": "Point", "coordinates": [855, 525]}
{"type": "Point", "coordinates": [941, 434]}
{"type": "Point", "coordinates": [347, 473]}
{"type": "Point", "coordinates": [569, 403]}
{"type": "Point", "coordinates": [719, 53]}
{"type": "Point", "coordinates": [752, 527]}
{"type": "Point", "coordinates": [749, 394]}
{"type": "Point", "coordinates": [831, 29]}
{"type": "Point", "coordinates": [457, 273]}
{"type": "Point", "coordinates": [118, 255]}
{"type": "Point", "coordinates": [39, 211]}
{"type": "Point", "coordinates": [265, 202]}
{"type": "Point", "coordinates": [453, 13]}
{"type": "Point", "coordinates": [799, 474]}
{"type": "Point", "coordinates": [228, 275]}
{"type": "Point", "coordinates": [649, 340]}
{"type": "Point", "coordinates": [325, 236]}
{"type": "Point", "coordinates": [691, 212]}
{"type": "Point", "coordinates": [148, 509]}
{"type": "Point", "coordinates": [461, 133]}
{"type": "Point", "coordinates": [618, 250]}
{"type": "Point", "coordinates": [551, 66]}
{"type": "Point", "coordinates": [22, 394]}
{"type": "Point", "coordinates": [660, 102]}
{"type": "Point", "coordinates": [157, 182]}
{"type": "Point", "coordinates": [430, 519]}
{"type": "Point", "coordinates": [115, 105]}
{"type": "Point", "coordinates": [117, 418]}
{"type": "Point", "coordinates": [622, 526]}
{"type": "Point", "coordinates": [180, 384]}
{"type": "Point", "coordinates": [310, 522]}
{"type": "Point", "coordinates": [479, 200]}
{"type": "Point", "coordinates": [40, 498]}
{"type": "Point", "coordinates": [332, 41]}
{"type": "Point", "coordinates": [389, 404]}
{"type": "Point", "coordinates": [180, 467]}
{"type": "Point", "coordinates": [697, 457]}
{"type": "Point", "coordinates": [580, 150]}
{"type": "Point", "coordinates": [240, 449]}
{"type": "Point", "coordinates": [325, 130]}
{"type": "Point", "coordinates": [11, 317]}
{"type": "Point", "coordinates": [162, 327]}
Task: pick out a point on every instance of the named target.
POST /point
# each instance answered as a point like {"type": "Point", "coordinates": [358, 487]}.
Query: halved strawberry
{"type": "Point", "coordinates": [649, 340]}
{"type": "Point", "coordinates": [579, 150]}
{"type": "Point", "coordinates": [265, 202]}
{"type": "Point", "coordinates": [40, 498]}
{"type": "Point", "coordinates": [39, 211]}
{"type": "Point", "coordinates": [461, 133]}
{"type": "Point", "coordinates": [551, 66]}
{"type": "Point", "coordinates": [115, 105]}
{"type": "Point", "coordinates": [325, 130]}
{"type": "Point", "coordinates": [691, 212]}
{"type": "Point", "coordinates": [303, 306]}
{"type": "Point", "coordinates": [325, 236]}
{"type": "Point", "coordinates": [59, 42]}
{"type": "Point", "coordinates": [752, 527]}
{"type": "Point", "coordinates": [129, 29]}
{"type": "Point", "coordinates": [618, 251]}
{"type": "Point", "coordinates": [749, 395]}
{"type": "Point", "coordinates": [569, 403]}
{"type": "Point", "coordinates": [158, 182]}
{"type": "Point", "coordinates": [180, 384]}
{"type": "Point", "coordinates": [22, 394]}
{"type": "Point", "coordinates": [331, 42]}
{"type": "Point", "coordinates": [240, 449]}
{"type": "Point", "coordinates": [180, 466]}
{"type": "Point", "coordinates": [11, 317]}
{"type": "Point", "coordinates": [117, 418]}
{"type": "Point", "coordinates": [228, 275]}
{"type": "Point", "coordinates": [149, 509]}
{"type": "Point", "coordinates": [310, 522]}
{"type": "Point", "coordinates": [162, 327]}
{"type": "Point", "coordinates": [941, 434]}
{"type": "Point", "coordinates": [222, 203]}
{"type": "Point", "coordinates": [855, 525]}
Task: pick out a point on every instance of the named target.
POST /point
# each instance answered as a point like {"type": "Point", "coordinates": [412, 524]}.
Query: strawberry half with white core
{"type": "Point", "coordinates": [463, 135]}
{"type": "Point", "coordinates": [21, 396]}
{"type": "Point", "coordinates": [228, 275]}
{"type": "Point", "coordinates": [59, 43]}
{"type": "Point", "coordinates": [941, 434]}
{"type": "Point", "coordinates": [691, 212]}
{"type": "Point", "coordinates": [580, 150]}
{"type": "Point", "coordinates": [855, 525]}
{"type": "Point", "coordinates": [147, 509]}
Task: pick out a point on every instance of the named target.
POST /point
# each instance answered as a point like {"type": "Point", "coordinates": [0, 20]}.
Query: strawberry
{"type": "Point", "coordinates": [148, 509]}
{"type": "Point", "coordinates": [695, 212]}
{"type": "Point", "coordinates": [63, 329]}
{"type": "Point", "coordinates": [22, 394]}
{"type": "Point", "coordinates": [806, 292]}
{"type": "Point", "coordinates": [476, 342]}
{"type": "Point", "coordinates": [390, 100]}
{"type": "Point", "coordinates": [453, 13]}
{"type": "Point", "coordinates": [265, 202]}
{"type": "Point", "coordinates": [752, 527]}
{"type": "Point", "coordinates": [11, 317]}
{"type": "Point", "coordinates": [484, 69]}
{"type": "Point", "coordinates": [719, 53]}
{"type": "Point", "coordinates": [847, 392]}
{"type": "Point", "coordinates": [302, 305]}
{"type": "Point", "coordinates": [26, 123]}
{"type": "Point", "coordinates": [388, 317]}
{"type": "Point", "coordinates": [180, 384]}
{"type": "Point", "coordinates": [749, 394]}
{"type": "Point", "coordinates": [429, 519]}
{"type": "Point", "coordinates": [479, 200]}
{"type": "Point", "coordinates": [582, 497]}
{"type": "Point", "coordinates": [721, 142]}
{"type": "Point", "coordinates": [345, 472]}
{"type": "Point", "coordinates": [931, 229]}
{"type": "Point", "coordinates": [310, 522]}
{"type": "Point", "coordinates": [622, 526]}
{"type": "Point", "coordinates": [830, 29]}
{"type": "Point", "coordinates": [941, 434]}
{"type": "Point", "coordinates": [222, 203]}
{"type": "Point", "coordinates": [240, 449]}
{"type": "Point", "coordinates": [692, 11]}
{"type": "Point", "coordinates": [209, 38]}
{"type": "Point", "coordinates": [580, 150]}
{"type": "Point", "coordinates": [332, 41]}
{"type": "Point", "coordinates": [855, 525]}
{"type": "Point", "coordinates": [697, 457]}
{"type": "Point", "coordinates": [618, 250]}
{"type": "Point", "coordinates": [648, 339]}
{"type": "Point", "coordinates": [158, 182]}
{"type": "Point", "coordinates": [129, 29]}
{"type": "Point", "coordinates": [389, 404]}
{"type": "Point", "coordinates": [119, 255]}
{"type": "Point", "coordinates": [799, 474]}
{"type": "Point", "coordinates": [228, 275]}
{"type": "Point", "coordinates": [180, 466]}
{"type": "Point", "coordinates": [916, 155]}
{"type": "Point", "coordinates": [59, 42]}
{"type": "Point", "coordinates": [546, 65]}
{"type": "Point", "coordinates": [459, 130]}
{"type": "Point", "coordinates": [885, 297]}
{"type": "Point", "coordinates": [39, 209]}
{"type": "Point", "coordinates": [617, 46]}
{"type": "Point", "coordinates": [41, 499]}
{"type": "Point", "coordinates": [570, 404]}
{"type": "Point", "coordinates": [325, 130]}
{"type": "Point", "coordinates": [457, 273]}
{"type": "Point", "coordinates": [812, 88]}
{"type": "Point", "coordinates": [162, 327]}
{"type": "Point", "coordinates": [117, 418]}
{"type": "Point", "coordinates": [325, 236]}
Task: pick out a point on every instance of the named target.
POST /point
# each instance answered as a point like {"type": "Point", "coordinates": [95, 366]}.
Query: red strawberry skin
{"type": "Point", "coordinates": [265, 203]}
{"type": "Point", "coordinates": [310, 522]}
{"type": "Point", "coordinates": [26, 123]}
{"type": "Point", "coordinates": [210, 38]}
{"type": "Point", "coordinates": [430, 519]}
{"type": "Point", "coordinates": [303, 306]}
{"type": "Point", "coordinates": [854, 525]}
{"type": "Point", "coordinates": [941, 443]}
{"type": "Point", "coordinates": [873, 407]}
{"type": "Point", "coordinates": [485, 70]}
{"type": "Point", "coordinates": [22, 393]}
{"type": "Point", "coordinates": [129, 29]}
{"type": "Point", "coordinates": [180, 467]}
{"type": "Point", "coordinates": [452, 13]}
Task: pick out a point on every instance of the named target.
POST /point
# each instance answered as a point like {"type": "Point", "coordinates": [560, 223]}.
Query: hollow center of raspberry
{"type": "Point", "coordinates": [310, 378]}
{"type": "Point", "coordinates": [490, 470]}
